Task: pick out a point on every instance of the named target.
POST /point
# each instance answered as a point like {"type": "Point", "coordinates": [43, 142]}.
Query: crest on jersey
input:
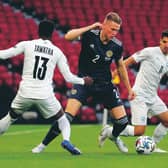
{"type": "Point", "coordinates": [73, 91]}
{"type": "Point", "coordinates": [109, 53]}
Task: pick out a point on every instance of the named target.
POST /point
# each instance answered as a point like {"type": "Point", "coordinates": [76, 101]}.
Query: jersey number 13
{"type": "Point", "coordinates": [39, 72]}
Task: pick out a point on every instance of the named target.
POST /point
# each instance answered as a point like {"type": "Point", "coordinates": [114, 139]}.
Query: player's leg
{"type": "Point", "coordinates": [54, 131]}
{"type": "Point", "coordinates": [139, 110]}
{"type": "Point", "coordinates": [49, 108]}
{"type": "Point", "coordinates": [64, 126]}
{"type": "Point", "coordinates": [73, 105]}
{"type": "Point", "coordinates": [133, 130]}
{"type": "Point", "coordinates": [76, 98]}
{"type": "Point", "coordinates": [158, 134]}
{"type": "Point", "coordinates": [160, 110]}
{"type": "Point", "coordinates": [113, 101]}
{"type": "Point", "coordinates": [61, 124]}
{"type": "Point", "coordinates": [72, 108]}
{"type": "Point", "coordinates": [120, 122]}
{"type": "Point", "coordinates": [138, 118]}
{"type": "Point", "coordinates": [113, 132]}
{"type": "Point", "coordinates": [17, 108]}
{"type": "Point", "coordinates": [6, 121]}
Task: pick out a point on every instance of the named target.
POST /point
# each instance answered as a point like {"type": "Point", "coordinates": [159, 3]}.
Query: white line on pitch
{"type": "Point", "coordinates": [24, 132]}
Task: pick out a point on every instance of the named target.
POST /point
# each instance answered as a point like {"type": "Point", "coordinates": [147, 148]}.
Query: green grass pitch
{"type": "Point", "coordinates": [16, 145]}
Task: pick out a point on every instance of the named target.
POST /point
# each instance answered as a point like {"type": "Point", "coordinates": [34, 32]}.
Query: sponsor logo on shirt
{"type": "Point", "coordinates": [91, 45]}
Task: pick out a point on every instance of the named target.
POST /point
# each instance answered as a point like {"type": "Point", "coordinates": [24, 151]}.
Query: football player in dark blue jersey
{"type": "Point", "coordinates": [99, 48]}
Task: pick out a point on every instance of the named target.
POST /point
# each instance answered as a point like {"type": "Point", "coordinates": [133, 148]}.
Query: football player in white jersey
{"type": "Point", "coordinates": [153, 65]}
{"type": "Point", "coordinates": [40, 60]}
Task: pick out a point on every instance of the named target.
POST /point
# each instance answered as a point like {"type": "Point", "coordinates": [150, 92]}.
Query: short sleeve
{"type": "Point", "coordinates": [141, 55]}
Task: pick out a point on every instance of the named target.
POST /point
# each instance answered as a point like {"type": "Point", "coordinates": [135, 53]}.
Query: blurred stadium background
{"type": "Point", "coordinates": [143, 22]}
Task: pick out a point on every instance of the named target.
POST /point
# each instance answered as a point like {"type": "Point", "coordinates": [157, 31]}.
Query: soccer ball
{"type": "Point", "coordinates": [144, 145]}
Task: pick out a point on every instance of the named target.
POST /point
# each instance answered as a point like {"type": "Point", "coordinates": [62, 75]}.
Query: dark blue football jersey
{"type": "Point", "coordinates": [96, 57]}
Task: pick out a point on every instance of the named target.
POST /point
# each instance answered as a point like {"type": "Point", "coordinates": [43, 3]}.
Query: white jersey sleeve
{"type": "Point", "coordinates": [64, 69]}
{"type": "Point", "coordinates": [13, 51]}
{"type": "Point", "coordinates": [141, 55]}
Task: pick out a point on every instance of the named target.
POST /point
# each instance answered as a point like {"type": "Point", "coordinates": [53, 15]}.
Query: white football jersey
{"type": "Point", "coordinates": [154, 64]}
{"type": "Point", "coordinates": [40, 60]}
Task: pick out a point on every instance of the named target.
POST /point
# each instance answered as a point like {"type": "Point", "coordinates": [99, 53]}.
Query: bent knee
{"type": "Point", "coordinates": [139, 130]}
{"type": "Point", "coordinates": [73, 106]}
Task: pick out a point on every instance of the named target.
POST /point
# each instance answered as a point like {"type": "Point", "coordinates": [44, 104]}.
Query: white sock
{"type": "Point", "coordinates": [64, 126]}
{"type": "Point", "coordinates": [109, 131]}
{"type": "Point", "coordinates": [159, 132]}
{"type": "Point", "coordinates": [128, 131]}
{"type": "Point", "coordinates": [7, 118]}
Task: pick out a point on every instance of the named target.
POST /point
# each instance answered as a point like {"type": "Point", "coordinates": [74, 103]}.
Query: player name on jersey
{"type": "Point", "coordinates": [43, 49]}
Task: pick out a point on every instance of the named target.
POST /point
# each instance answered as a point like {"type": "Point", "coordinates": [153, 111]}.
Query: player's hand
{"type": "Point", "coordinates": [131, 95]}
{"type": "Point", "coordinates": [96, 25]}
{"type": "Point", "coordinates": [114, 73]}
{"type": "Point", "coordinates": [88, 80]}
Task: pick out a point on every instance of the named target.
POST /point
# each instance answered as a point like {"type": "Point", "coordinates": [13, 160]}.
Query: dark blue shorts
{"type": "Point", "coordinates": [106, 94]}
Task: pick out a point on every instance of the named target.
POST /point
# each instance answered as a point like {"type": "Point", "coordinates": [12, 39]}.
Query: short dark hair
{"type": "Point", "coordinates": [114, 17]}
{"type": "Point", "coordinates": [46, 28]}
{"type": "Point", "coordinates": [164, 33]}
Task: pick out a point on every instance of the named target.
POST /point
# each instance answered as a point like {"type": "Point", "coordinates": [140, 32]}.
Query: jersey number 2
{"type": "Point", "coordinates": [94, 60]}
{"type": "Point", "coordinates": [40, 71]}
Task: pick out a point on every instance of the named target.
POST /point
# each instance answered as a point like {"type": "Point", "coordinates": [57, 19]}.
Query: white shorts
{"type": "Point", "coordinates": [140, 110]}
{"type": "Point", "coordinates": [47, 107]}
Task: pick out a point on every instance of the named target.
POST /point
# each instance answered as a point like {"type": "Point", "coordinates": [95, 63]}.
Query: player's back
{"type": "Point", "coordinates": [40, 60]}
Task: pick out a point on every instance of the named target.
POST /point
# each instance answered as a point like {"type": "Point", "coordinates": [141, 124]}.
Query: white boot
{"type": "Point", "coordinates": [104, 134]}
{"type": "Point", "coordinates": [5, 123]}
{"type": "Point", "coordinates": [39, 148]}
{"type": "Point", "coordinates": [158, 150]}
{"type": "Point", "coordinates": [120, 144]}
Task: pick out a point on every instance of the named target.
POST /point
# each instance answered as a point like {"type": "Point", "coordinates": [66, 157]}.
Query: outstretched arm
{"type": "Point", "coordinates": [69, 76]}
{"type": "Point", "coordinates": [13, 51]}
{"type": "Point", "coordinates": [75, 33]}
